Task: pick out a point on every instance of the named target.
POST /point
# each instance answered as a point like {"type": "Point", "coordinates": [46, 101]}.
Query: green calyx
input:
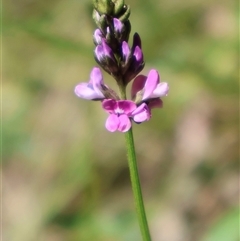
{"type": "Point", "coordinates": [114, 8]}
{"type": "Point", "coordinates": [125, 13]}
{"type": "Point", "coordinates": [118, 6]}
{"type": "Point", "coordinates": [100, 20]}
{"type": "Point", "coordinates": [103, 6]}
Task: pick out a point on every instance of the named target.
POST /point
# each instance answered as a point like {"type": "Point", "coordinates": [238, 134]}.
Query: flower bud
{"type": "Point", "coordinates": [103, 6]}
{"type": "Point", "coordinates": [136, 41]}
{"type": "Point", "coordinates": [126, 57]}
{"type": "Point", "coordinates": [118, 6]}
{"type": "Point", "coordinates": [126, 31]}
{"type": "Point", "coordinates": [125, 14]}
{"type": "Point", "coordinates": [136, 66]}
{"type": "Point", "coordinates": [105, 58]}
{"type": "Point", "coordinates": [97, 37]}
{"type": "Point", "coordinates": [108, 35]}
{"type": "Point", "coordinates": [100, 20]}
{"type": "Point", "coordinates": [118, 27]}
{"type": "Point", "coordinates": [126, 52]}
{"type": "Point", "coordinates": [134, 63]}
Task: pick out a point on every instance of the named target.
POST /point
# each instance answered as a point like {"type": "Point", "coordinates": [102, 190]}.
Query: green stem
{"type": "Point", "coordinates": [136, 186]}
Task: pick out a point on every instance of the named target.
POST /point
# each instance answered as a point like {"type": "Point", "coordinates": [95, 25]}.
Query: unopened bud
{"type": "Point", "coordinates": [103, 6]}
{"type": "Point", "coordinates": [118, 6]}
{"type": "Point", "coordinates": [105, 58]}
{"type": "Point", "coordinates": [100, 20]}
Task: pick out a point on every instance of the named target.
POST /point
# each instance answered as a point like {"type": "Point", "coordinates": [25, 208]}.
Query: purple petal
{"type": "Point", "coordinates": [118, 25]}
{"type": "Point", "coordinates": [124, 123]}
{"type": "Point", "coordinates": [138, 55]}
{"type": "Point", "coordinates": [126, 51]}
{"type": "Point", "coordinates": [142, 113]}
{"type": "Point", "coordinates": [112, 123]}
{"type": "Point", "coordinates": [96, 76]}
{"type": "Point", "coordinates": [160, 90]}
{"type": "Point", "coordinates": [97, 36]}
{"type": "Point", "coordinates": [127, 106]}
{"type": "Point", "coordinates": [96, 79]}
{"type": "Point", "coordinates": [107, 50]}
{"type": "Point", "coordinates": [86, 91]}
{"type": "Point", "coordinates": [138, 85]}
{"type": "Point", "coordinates": [136, 41]}
{"type": "Point", "coordinates": [155, 103]}
{"type": "Point", "coordinates": [109, 105]}
{"type": "Point", "coordinates": [151, 83]}
{"type": "Point", "coordinates": [99, 53]}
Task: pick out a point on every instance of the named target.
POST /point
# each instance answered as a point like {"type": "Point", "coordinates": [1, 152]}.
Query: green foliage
{"type": "Point", "coordinates": [226, 228]}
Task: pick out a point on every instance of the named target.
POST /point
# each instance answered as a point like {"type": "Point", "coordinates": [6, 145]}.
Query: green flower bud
{"type": "Point", "coordinates": [100, 20]}
{"type": "Point", "coordinates": [118, 6]}
{"type": "Point", "coordinates": [126, 13]}
{"type": "Point", "coordinates": [103, 6]}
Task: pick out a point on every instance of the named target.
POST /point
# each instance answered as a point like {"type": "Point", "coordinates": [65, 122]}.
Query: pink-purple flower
{"type": "Point", "coordinates": [120, 113]}
{"type": "Point", "coordinates": [123, 62]}
{"type": "Point", "coordinates": [149, 89]}
{"type": "Point", "coordinates": [141, 113]}
{"type": "Point", "coordinates": [146, 92]}
{"type": "Point", "coordinates": [93, 90]}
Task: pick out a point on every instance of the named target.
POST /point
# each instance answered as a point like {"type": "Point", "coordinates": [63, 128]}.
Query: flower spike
{"type": "Point", "coordinates": [124, 63]}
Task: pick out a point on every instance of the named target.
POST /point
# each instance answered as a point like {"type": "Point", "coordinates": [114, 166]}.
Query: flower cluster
{"type": "Point", "coordinates": [124, 63]}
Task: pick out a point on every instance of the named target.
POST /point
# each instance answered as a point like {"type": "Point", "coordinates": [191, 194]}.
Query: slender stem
{"type": "Point", "coordinates": [122, 89]}
{"type": "Point", "coordinates": [136, 186]}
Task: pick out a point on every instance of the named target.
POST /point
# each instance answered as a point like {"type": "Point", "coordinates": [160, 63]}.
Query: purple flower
{"type": "Point", "coordinates": [138, 58]}
{"type": "Point", "coordinates": [120, 113]}
{"type": "Point", "coordinates": [149, 89]}
{"type": "Point", "coordinates": [105, 58]}
{"type": "Point", "coordinates": [126, 52]}
{"type": "Point", "coordinates": [97, 36]}
{"type": "Point", "coordinates": [118, 26]}
{"type": "Point", "coordinates": [135, 63]}
{"type": "Point", "coordinates": [93, 90]}
{"type": "Point", "coordinates": [137, 52]}
{"type": "Point", "coordinates": [141, 113]}
{"type": "Point", "coordinates": [103, 53]}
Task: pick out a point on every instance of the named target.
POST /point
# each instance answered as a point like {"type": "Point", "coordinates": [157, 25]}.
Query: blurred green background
{"type": "Point", "coordinates": [65, 178]}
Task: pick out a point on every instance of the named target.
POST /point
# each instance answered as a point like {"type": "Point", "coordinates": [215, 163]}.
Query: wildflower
{"type": "Point", "coordinates": [114, 54]}
{"type": "Point", "coordinates": [93, 90]}
{"type": "Point", "coordinates": [123, 62]}
{"type": "Point", "coordinates": [149, 89]}
{"type": "Point", "coordinates": [120, 113]}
